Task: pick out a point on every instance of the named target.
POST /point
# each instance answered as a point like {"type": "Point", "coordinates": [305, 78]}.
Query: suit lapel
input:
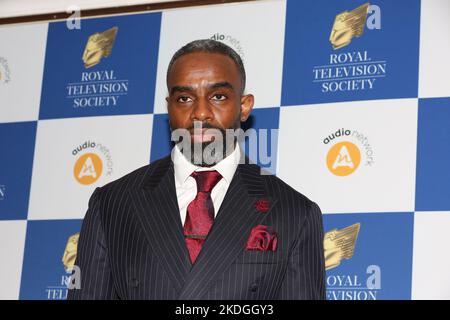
{"type": "Point", "coordinates": [158, 211]}
{"type": "Point", "coordinates": [230, 231]}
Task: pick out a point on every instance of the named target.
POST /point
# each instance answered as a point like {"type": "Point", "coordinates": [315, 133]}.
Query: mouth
{"type": "Point", "coordinates": [202, 135]}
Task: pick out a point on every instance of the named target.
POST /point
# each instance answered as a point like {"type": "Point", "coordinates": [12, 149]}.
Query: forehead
{"type": "Point", "coordinates": [198, 66]}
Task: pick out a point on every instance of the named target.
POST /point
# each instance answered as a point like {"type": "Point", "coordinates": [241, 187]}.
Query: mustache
{"type": "Point", "coordinates": [205, 125]}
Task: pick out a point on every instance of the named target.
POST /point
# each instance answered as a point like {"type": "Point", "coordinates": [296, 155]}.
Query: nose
{"type": "Point", "coordinates": [201, 111]}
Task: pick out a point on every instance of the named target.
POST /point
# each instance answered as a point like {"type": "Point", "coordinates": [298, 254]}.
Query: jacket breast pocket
{"type": "Point", "coordinates": [259, 257]}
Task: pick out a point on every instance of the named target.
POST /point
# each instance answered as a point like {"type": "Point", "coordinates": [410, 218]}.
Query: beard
{"type": "Point", "coordinates": [218, 145]}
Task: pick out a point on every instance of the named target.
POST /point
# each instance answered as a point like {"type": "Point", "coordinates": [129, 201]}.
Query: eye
{"type": "Point", "coordinates": [184, 99]}
{"type": "Point", "coordinates": [219, 97]}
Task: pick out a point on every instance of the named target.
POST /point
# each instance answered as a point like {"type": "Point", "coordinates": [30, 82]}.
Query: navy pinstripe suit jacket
{"type": "Point", "coordinates": [132, 246]}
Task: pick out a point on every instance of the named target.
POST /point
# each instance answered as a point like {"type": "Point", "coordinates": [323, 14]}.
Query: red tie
{"type": "Point", "coordinates": [200, 212]}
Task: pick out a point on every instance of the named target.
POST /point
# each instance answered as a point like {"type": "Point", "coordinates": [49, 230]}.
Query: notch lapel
{"type": "Point", "coordinates": [157, 209]}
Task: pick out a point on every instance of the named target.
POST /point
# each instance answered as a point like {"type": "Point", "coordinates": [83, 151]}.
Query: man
{"type": "Point", "coordinates": [193, 227]}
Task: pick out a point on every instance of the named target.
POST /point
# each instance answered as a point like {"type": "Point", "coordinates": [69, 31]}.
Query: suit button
{"type": "Point", "coordinates": [134, 282]}
{"type": "Point", "coordinates": [254, 287]}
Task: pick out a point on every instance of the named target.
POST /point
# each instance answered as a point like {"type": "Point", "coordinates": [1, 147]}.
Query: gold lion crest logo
{"type": "Point", "coordinates": [98, 46]}
{"type": "Point", "coordinates": [347, 25]}
{"type": "Point", "coordinates": [340, 244]}
{"type": "Point", "coordinates": [70, 252]}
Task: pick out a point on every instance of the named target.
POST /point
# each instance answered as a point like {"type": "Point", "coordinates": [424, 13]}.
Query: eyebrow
{"type": "Point", "coordinates": [223, 84]}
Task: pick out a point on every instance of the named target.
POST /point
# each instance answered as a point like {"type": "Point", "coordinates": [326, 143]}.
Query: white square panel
{"type": "Point", "coordinates": [351, 156]}
{"type": "Point", "coordinates": [434, 66]}
{"type": "Point", "coordinates": [21, 65]}
{"type": "Point", "coordinates": [431, 262]}
{"type": "Point", "coordinates": [12, 243]}
{"type": "Point", "coordinates": [254, 30]}
{"type": "Point", "coordinates": [74, 156]}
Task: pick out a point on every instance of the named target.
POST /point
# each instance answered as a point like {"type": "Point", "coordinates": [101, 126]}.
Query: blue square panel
{"type": "Point", "coordinates": [17, 143]}
{"type": "Point", "coordinates": [261, 142]}
{"type": "Point", "coordinates": [107, 67]}
{"type": "Point", "coordinates": [161, 142]}
{"type": "Point", "coordinates": [433, 155]}
{"type": "Point", "coordinates": [333, 54]}
{"type": "Point", "coordinates": [378, 265]}
{"type": "Point", "coordinates": [44, 275]}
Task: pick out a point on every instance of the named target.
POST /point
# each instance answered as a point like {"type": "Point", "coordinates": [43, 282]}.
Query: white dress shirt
{"type": "Point", "coordinates": [186, 186]}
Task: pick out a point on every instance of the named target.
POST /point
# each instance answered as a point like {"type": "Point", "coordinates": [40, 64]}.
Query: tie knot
{"type": "Point", "coordinates": [206, 180]}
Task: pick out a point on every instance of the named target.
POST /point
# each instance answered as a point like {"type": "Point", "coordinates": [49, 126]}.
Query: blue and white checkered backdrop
{"type": "Point", "coordinates": [364, 130]}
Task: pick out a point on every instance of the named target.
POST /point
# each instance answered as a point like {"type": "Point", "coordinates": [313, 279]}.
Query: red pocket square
{"type": "Point", "coordinates": [262, 238]}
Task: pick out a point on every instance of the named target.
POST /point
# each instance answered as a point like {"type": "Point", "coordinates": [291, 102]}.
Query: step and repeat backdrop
{"type": "Point", "coordinates": [354, 97]}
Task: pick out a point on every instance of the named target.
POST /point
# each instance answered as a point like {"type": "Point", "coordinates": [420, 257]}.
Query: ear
{"type": "Point", "coordinates": [247, 102]}
{"type": "Point", "coordinates": [167, 104]}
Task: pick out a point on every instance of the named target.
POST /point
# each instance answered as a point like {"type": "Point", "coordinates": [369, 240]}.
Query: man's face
{"type": "Point", "coordinates": [205, 88]}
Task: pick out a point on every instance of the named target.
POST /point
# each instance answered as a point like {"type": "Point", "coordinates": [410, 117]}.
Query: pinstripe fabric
{"type": "Point", "coordinates": [131, 244]}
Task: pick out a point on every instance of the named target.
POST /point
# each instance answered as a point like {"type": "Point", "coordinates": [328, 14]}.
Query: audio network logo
{"type": "Point", "coordinates": [5, 73]}
{"type": "Point", "coordinates": [99, 88]}
{"type": "Point", "coordinates": [354, 70]}
{"type": "Point", "coordinates": [93, 160]}
{"type": "Point", "coordinates": [350, 150]}
{"type": "Point", "coordinates": [232, 42]}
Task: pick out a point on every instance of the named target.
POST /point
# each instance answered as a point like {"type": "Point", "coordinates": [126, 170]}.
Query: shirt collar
{"type": "Point", "coordinates": [184, 168]}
